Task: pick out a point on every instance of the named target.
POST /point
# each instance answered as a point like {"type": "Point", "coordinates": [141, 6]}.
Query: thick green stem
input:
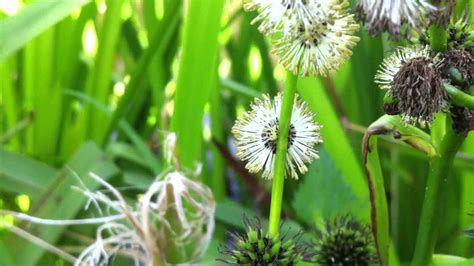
{"type": "Point", "coordinates": [438, 174]}
{"type": "Point", "coordinates": [438, 38]}
{"type": "Point", "coordinates": [280, 158]}
{"type": "Point", "coordinates": [433, 201]}
{"type": "Point", "coordinates": [459, 97]}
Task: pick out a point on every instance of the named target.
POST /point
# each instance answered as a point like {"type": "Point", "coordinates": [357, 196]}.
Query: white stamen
{"type": "Point", "coordinates": [256, 136]}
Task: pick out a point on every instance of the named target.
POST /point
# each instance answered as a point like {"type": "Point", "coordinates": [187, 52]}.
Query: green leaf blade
{"type": "Point", "coordinates": [195, 76]}
{"type": "Point", "coordinates": [33, 20]}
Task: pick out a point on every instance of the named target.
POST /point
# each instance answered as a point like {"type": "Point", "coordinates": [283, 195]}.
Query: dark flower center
{"type": "Point", "coordinates": [270, 135]}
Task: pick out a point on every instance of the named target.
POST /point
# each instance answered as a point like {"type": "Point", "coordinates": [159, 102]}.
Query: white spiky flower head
{"type": "Point", "coordinates": [389, 15]}
{"type": "Point", "coordinates": [271, 14]}
{"type": "Point", "coordinates": [321, 46]}
{"type": "Point", "coordinates": [256, 134]}
{"type": "Point", "coordinates": [275, 15]}
{"type": "Point", "coordinates": [315, 36]}
{"type": "Point", "coordinates": [412, 78]}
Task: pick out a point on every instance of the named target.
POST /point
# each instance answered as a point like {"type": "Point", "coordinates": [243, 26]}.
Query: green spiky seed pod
{"type": "Point", "coordinates": [461, 35]}
{"type": "Point", "coordinates": [256, 248]}
{"type": "Point", "coordinates": [344, 241]}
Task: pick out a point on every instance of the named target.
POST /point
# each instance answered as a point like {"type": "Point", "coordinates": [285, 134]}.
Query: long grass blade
{"type": "Point", "coordinates": [198, 64]}
{"type": "Point", "coordinates": [100, 79]}
{"type": "Point", "coordinates": [135, 86]}
{"type": "Point", "coordinates": [16, 31]}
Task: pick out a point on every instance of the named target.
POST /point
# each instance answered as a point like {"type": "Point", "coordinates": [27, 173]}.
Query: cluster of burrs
{"type": "Point", "coordinates": [342, 241]}
{"type": "Point", "coordinates": [418, 81]}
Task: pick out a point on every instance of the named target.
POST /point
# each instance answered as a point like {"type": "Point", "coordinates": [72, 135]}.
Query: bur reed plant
{"type": "Point", "coordinates": [284, 90]}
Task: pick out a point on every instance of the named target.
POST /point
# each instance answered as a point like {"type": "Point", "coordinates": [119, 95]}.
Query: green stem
{"type": "Point", "coordinates": [459, 97]}
{"type": "Point", "coordinates": [156, 47]}
{"type": "Point", "coordinates": [438, 38]}
{"type": "Point", "coordinates": [280, 158]}
{"type": "Point", "coordinates": [10, 103]}
{"type": "Point", "coordinates": [438, 174]}
{"type": "Point", "coordinates": [99, 84]}
{"type": "Point", "coordinates": [47, 99]}
{"type": "Point", "coordinates": [433, 200]}
{"type": "Point", "coordinates": [13, 131]}
{"type": "Point", "coordinates": [217, 183]}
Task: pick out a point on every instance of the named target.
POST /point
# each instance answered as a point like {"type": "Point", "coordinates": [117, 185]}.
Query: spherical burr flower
{"type": "Point", "coordinates": [344, 241]}
{"type": "Point", "coordinates": [388, 15]}
{"type": "Point", "coordinates": [256, 135]}
{"type": "Point", "coordinates": [413, 80]}
{"type": "Point", "coordinates": [254, 247]}
{"type": "Point", "coordinates": [271, 14]}
{"type": "Point", "coordinates": [275, 15]}
{"type": "Point", "coordinates": [319, 46]}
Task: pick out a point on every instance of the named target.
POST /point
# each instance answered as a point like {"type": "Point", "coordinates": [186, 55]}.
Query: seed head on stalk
{"type": "Point", "coordinates": [390, 16]}
{"type": "Point", "coordinates": [343, 241]}
{"type": "Point", "coordinates": [256, 134]}
{"type": "Point", "coordinates": [413, 79]}
{"type": "Point", "coordinates": [311, 37]}
{"type": "Point", "coordinates": [256, 248]}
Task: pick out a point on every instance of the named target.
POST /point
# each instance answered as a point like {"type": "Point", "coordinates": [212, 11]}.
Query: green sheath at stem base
{"type": "Point", "coordinates": [280, 158]}
{"type": "Point", "coordinates": [438, 175]}
{"type": "Point", "coordinates": [433, 201]}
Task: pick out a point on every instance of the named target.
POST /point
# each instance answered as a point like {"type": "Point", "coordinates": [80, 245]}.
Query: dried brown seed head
{"type": "Point", "coordinates": [418, 87]}
{"type": "Point", "coordinates": [463, 119]}
{"type": "Point", "coordinates": [463, 62]}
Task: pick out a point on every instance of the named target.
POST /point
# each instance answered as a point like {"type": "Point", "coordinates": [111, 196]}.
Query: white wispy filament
{"type": "Point", "coordinates": [256, 135]}
{"type": "Point", "coordinates": [140, 232]}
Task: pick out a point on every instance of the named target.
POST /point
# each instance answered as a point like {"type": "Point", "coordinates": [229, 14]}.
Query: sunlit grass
{"type": "Point", "coordinates": [23, 202]}
{"type": "Point", "coordinates": [89, 39]}
{"type": "Point", "coordinates": [255, 63]}
{"type": "Point", "coordinates": [11, 7]}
